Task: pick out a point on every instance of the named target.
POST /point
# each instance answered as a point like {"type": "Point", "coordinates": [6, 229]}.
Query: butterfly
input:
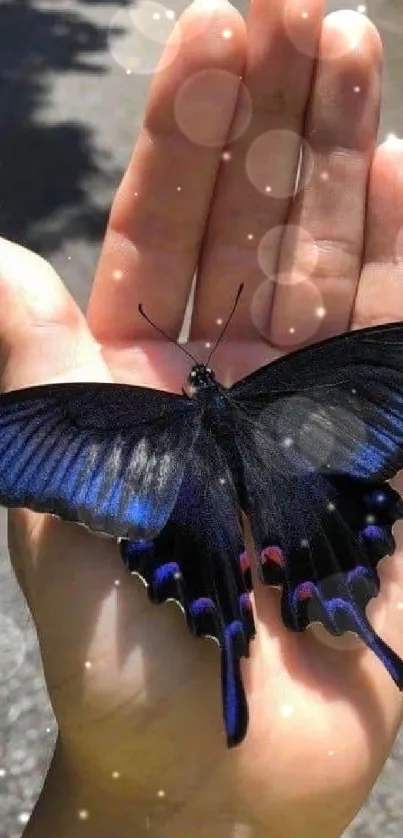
{"type": "Point", "coordinates": [303, 447]}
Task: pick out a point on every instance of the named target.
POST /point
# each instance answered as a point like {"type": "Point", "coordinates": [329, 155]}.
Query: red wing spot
{"type": "Point", "coordinates": [244, 560]}
{"type": "Point", "coordinates": [272, 554]}
{"type": "Point", "coordinates": [305, 591]}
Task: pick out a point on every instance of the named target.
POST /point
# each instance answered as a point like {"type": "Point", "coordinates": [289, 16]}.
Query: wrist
{"type": "Point", "coordinates": [70, 807]}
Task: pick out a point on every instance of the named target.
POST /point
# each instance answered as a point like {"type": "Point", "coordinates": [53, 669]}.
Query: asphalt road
{"type": "Point", "coordinates": [68, 115]}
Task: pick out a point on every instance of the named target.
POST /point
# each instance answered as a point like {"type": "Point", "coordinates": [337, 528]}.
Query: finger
{"type": "Point", "coordinates": [282, 42]}
{"type": "Point", "coordinates": [43, 334]}
{"type": "Point", "coordinates": [159, 213]}
{"type": "Point", "coordinates": [321, 253]}
{"type": "Point", "coordinates": [379, 296]}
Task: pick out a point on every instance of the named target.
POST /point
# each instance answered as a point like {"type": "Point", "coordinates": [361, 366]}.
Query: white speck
{"type": "Point", "coordinates": [68, 258]}
{"type": "Point", "coordinates": [136, 194]}
{"type": "Point", "coordinates": [267, 189]}
{"type": "Point", "coordinates": [128, 72]}
{"type": "Point", "coordinates": [2, 772]}
{"type": "Point", "coordinates": [88, 664]}
{"type": "Point", "coordinates": [83, 814]}
{"type": "Point", "coordinates": [354, 391]}
{"type": "Point", "coordinates": [304, 542]}
{"type": "Point", "coordinates": [320, 311]}
{"type": "Point", "coordinates": [292, 330]}
{"type": "Point", "coordinates": [117, 582]}
{"type": "Point", "coordinates": [219, 321]}
{"type": "Point", "coordinates": [222, 480]}
{"type": "Point", "coordinates": [115, 774]}
{"type": "Point", "coordinates": [156, 16]}
{"type": "Point", "coordinates": [48, 730]}
{"type": "Point", "coordinates": [179, 189]}
{"type": "Point", "coordinates": [331, 507]}
{"type": "Point", "coordinates": [286, 711]}
{"type": "Point", "coordinates": [208, 345]}
{"type": "Point", "coordinates": [357, 88]}
{"type": "Point", "coordinates": [160, 793]}
{"type": "Point", "coordinates": [170, 14]}
{"type": "Point", "coordinates": [400, 606]}
{"type": "Point", "coordinates": [330, 753]}
{"type": "Point", "coordinates": [250, 236]}
{"type": "Point", "coordinates": [370, 519]}
{"type": "Point", "coordinates": [23, 817]}
{"type": "Point", "coordinates": [287, 442]}
{"type": "Point", "coordinates": [305, 15]}
{"type": "Point", "coordinates": [117, 274]}
{"type": "Point", "coordinates": [324, 175]}
{"type": "Point", "coordinates": [362, 8]}
{"type": "Point", "coordinates": [226, 155]}
{"type": "Point", "coordinates": [227, 34]}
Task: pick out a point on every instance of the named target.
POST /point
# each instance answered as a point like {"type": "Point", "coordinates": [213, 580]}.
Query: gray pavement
{"type": "Point", "coordinates": [68, 115]}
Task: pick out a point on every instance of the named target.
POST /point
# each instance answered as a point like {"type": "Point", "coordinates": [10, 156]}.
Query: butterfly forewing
{"type": "Point", "coordinates": [103, 455]}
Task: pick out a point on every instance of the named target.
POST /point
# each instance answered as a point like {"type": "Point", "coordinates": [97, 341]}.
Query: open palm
{"type": "Point", "coordinates": [211, 182]}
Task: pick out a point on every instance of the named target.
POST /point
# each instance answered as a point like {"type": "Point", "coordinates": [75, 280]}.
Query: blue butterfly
{"type": "Point", "coordinates": [303, 446]}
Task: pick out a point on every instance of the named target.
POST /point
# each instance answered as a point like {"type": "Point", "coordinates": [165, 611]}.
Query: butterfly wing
{"type": "Point", "coordinates": [198, 560]}
{"type": "Point", "coordinates": [109, 456]}
{"type": "Point", "coordinates": [318, 433]}
{"type": "Point", "coordinates": [338, 403]}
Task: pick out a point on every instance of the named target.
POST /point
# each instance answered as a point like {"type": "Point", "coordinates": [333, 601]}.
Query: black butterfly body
{"type": "Point", "coordinates": [304, 447]}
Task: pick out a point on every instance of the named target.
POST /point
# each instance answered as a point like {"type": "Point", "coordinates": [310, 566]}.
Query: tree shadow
{"type": "Point", "coordinates": [47, 162]}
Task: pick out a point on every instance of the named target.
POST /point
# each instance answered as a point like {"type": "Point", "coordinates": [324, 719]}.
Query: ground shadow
{"type": "Point", "coordinates": [46, 163]}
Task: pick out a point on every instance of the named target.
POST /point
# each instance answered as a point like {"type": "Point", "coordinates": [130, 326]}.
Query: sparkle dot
{"type": "Point", "coordinates": [226, 155]}
{"type": "Point", "coordinates": [354, 391]}
{"type": "Point", "coordinates": [400, 606]}
{"type": "Point", "coordinates": [227, 34]}
{"type": "Point", "coordinates": [207, 345]}
{"type": "Point", "coordinates": [115, 775]}
{"type": "Point", "coordinates": [362, 8]}
{"type": "Point", "coordinates": [286, 711]}
{"type": "Point", "coordinates": [128, 72]}
{"type": "Point", "coordinates": [83, 814]}
{"type": "Point", "coordinates": [179, 189]}
{"type": "Point", "coordinates": [324, 175]}
{"type": "Point", "coordinates": [331, 507]}
{"type": "Point", "coordinates": [160, 793]}
{"type": "Point", "coordinates": [320, 311]}
{"type": "Point", "coordinates": [219, 321]}
{"type": "Point", "coordinates": [156, 16]}
{"type": "Point", "coordinates": [370, 519]}
{"type": "Point", "coordinates": [222, 480]}
{"type": "Point", "coordinates": [250, 236]}
{"type": "Point", "coordinates": [68, 258]}
{"type": "Point", "coordinates": [287, 442]}
{"type": "Point", "coordinates": [304, 542]}
{"type": "Point", "coordinates": [305, 15]}
{"type": "Point", "coordinates": [170, 14]}
{"type": "Point", "coordinates": [267, 189]}
{"type": "Point", "coordinates": [48, 730]}
{"type": "Point", "coordinates": [23, 817]}
{"type": "Point", "coordinates": [136, 194]}
{"type": "Point", "coordinates": [2, 772]}
{"type": "Point", "coordinates": [292, 330]}
{"type": "Point", "coordinates": [117, 582]}
{"type": "Point", "coordinates": [117, 274]}
{"type": "Point", "coordinates": [88, 664]}
{"type": "Point", "coordinates": [330, 753]}
{"type": "Point", "coordinates": [357, 88]}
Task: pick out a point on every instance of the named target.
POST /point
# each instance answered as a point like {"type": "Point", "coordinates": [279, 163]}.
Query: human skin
{"type": "Point", "coordinates": [141, 748]}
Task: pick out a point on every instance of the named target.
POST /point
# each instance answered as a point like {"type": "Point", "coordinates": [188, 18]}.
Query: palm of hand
{"type": "Point", "coordinates": [128, 684]}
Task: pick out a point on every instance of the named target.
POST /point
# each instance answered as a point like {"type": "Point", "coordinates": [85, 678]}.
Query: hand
{"type": "Point", "coordinates": [136, 698]}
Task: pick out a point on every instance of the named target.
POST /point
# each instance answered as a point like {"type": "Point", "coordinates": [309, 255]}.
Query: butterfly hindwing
{"type": "Point", "coordinates": [109, 456]}
{"type": "Point", "coordinates": [199, 560]}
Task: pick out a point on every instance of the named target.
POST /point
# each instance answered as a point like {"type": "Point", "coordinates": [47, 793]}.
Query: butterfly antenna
{"type": "Point", "coordinates": [229, 318]}
{"type": "Point", "coordinates": [164, 334]}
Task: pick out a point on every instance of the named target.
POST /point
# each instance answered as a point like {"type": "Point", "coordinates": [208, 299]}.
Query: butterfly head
{"type": "Point", "coordinates": [200, 376]}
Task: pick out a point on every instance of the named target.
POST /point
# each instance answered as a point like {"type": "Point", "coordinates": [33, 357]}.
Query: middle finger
{"type": "Point", "coordinates": [257, 175]}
